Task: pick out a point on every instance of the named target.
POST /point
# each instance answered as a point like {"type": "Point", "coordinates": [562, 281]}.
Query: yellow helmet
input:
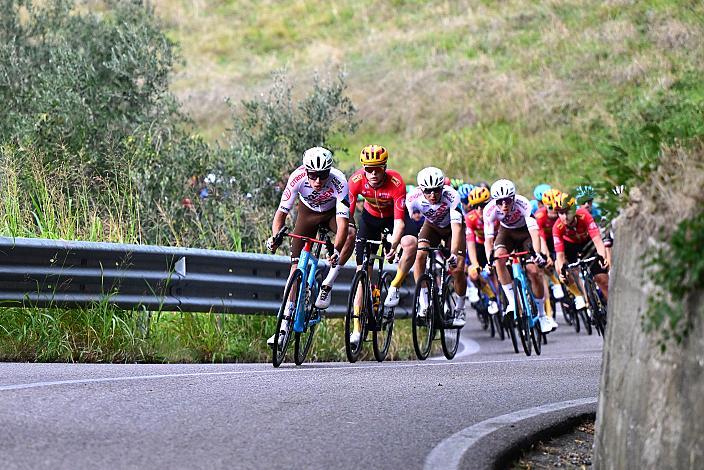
{"type": "Point", "coordinates": [373, 155]}
{"type": "Point", "coordinates": [549, 197]}
{"type": "Point", "coordinates": [564, 202]}
{"type": "Point", "coordinates": [478, 195]}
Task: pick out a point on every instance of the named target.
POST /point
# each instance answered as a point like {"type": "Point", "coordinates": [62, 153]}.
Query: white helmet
{"type": "Point", "coordinates": [503, 188]}
{"type": "Point", "coordinates": [317, 159]}
{"type": "Point", "coordinates": [431, 177]}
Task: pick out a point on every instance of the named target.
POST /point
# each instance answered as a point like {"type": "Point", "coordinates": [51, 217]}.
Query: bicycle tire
{"type": "Point", "coordinates": [449, 336]}
{"type": "Point", "coordinates": [597, 306]}
{"type": "Point", "coordinates": [385, 321]}
{"type": "Point", "coordinates": [361, 280]}
{"type": "Point", "coordinates": [303, 341]}
{"type": "Point", "coordinates": [536, 335]}
{"type": "Point", "coordinates": [586, 320]}
{"type": "Point", "coordinates": [496, 319]}
{"type": "Point", "coordinates": [423, 328]}
{"type": "Point", "coordinates": [279, 353]}
{"type": "Point", "coordinates": [522, 319]}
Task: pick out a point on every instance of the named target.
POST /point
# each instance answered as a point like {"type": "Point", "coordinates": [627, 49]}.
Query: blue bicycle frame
{"type": "Point", "coordinates": [519, 273]}
{"type": "Point", "coordinates": [308, 265]}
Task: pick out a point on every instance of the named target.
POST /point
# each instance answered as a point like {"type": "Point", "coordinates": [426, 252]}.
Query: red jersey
{"type": "Point", "coordinates": [545, 222]}
{"type": "Point", "coordinates": [584, 229]}
{"type": "Point", "coordinates": [474, 223]}
{"type": "Point", "coordinates": [385, 201]}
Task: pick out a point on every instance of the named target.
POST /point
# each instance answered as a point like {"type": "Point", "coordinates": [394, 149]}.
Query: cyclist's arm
{"type": "Point", "coordinates": [534, 232]}
{"type": "Point", "coordinates": [560, 262]}
{"type": "Point", "coordinates": [456, 237]}
{"type": "Point", "coordinates": [599, 245]}
{"type": "Point", "coordinates": [278, 222]}
{"type": "Point", "coordinates": [472, 250]}
{"type": "Point", "coordinates": [342, 231]}
{"type": "Point", "coordinates": [399, 227]}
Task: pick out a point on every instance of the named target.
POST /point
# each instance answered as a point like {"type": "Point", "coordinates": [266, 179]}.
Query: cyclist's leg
{"type": "Point", "coordinates": [349, 245]}
{"type": "Point", "coordinates": [458, 273]}
{"type": "Point", "coordinates": [327, 219]}
{"type": "Point", "coordinates": [426, 238]}
{"type": "Point", "coordinates": [503, 245]}
{"type": "Point", "coordinates": [572, 252]}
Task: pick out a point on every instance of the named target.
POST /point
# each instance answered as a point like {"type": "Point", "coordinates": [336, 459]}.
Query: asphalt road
{"type": "Point", "coordinates": [330, 415]}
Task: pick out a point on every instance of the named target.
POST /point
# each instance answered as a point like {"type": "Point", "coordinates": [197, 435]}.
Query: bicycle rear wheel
{"type": "Point", "coordinates": [449, 337]}
{"type": "Point", "coordinates": [360, 292]}
{"type": "Point", "coordinates": [423, 327]}
{"type": "Point", "coordinates": [586, 320]}
{"type": "Point", "coordinates": [304, 340]}
{"type": "Point", "coordinates": [284, 319]}
{"type": "Point", "coordinates": [522, 317]}
{"type": "Point", "coordinates": [385, 321]}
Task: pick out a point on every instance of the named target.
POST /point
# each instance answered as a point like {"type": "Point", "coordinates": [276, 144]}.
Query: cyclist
{"type": "Point", "coordinates": [517, 231]}
{"type": "Point", "coordinates": [323, 199]}
{"type": "Point", "coordinates": [463, 190]}
{"type": "Point", "coordinates": [439, 203]}
{"type": "Point", "coordinates": [474, 222]}
{"type": "Point", "coordinates": [538, 192]}
{"type": "Point", "coordinates": [576, 232]}
{"type": "Point", "coordinates": [384, 196]}
{"type": "Point", "coordinates": [546, 218]}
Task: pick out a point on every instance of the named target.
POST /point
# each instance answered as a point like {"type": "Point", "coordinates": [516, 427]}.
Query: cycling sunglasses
{"type": "Point", "coordinates": [504, 200]}
{"type": "Point", "coordinates": [432, 190]}
{"type": "Point", "coordinates": [318, 175]}
{"type": "Point", "coordinates": [375, 169]}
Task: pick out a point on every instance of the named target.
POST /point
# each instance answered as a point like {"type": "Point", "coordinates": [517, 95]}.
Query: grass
{"type": "Point", "coordinates": [454, 81]}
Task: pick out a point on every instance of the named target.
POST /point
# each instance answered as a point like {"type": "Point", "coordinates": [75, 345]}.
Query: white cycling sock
{"type": "Point", "coordinates": [540, 303]}
{"type": "Point", "coordinates": [332, 275]}
{"type": "Point", "coordinates": [423, 301]}
{"type": "Point", "coordinates": [460, 301]}
{"type": "Point", "coordinates": [508, 290]}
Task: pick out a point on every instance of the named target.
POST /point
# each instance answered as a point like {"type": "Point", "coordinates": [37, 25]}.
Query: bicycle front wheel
{"type": "Point", "coordinates": [522, 317]}
{"type": "Point", "coordinates": [359, 294]}
{"type": "Point", "coordinates": [449, 337]}
{"type": "Point", "coordinates": [598, 310]}
{"type": "Point", "coordinates": [304, 340]}
{"type": "Point", "coordinates": [384, 320]}
{"type": "Point", "coordinates": [285, 318]}
{"type": "Point", "coordinates": [423, 325]}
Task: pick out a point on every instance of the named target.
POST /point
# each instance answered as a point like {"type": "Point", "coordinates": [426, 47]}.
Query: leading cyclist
{"type": "Point", "coordinates": [322, 200]}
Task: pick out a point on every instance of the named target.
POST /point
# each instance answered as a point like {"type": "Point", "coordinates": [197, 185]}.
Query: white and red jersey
{"type": "Point", "coordinates": [517, 217]}
{"type": "Point", "coordinates": [443, 213]}
{"type": "Point", "coordinates": [333, 194]}
{"type": "Point", "coordinates": [388, 200]}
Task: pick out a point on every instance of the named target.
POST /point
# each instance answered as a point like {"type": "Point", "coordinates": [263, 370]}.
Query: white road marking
{"type": "Point", "coordinates": [448, 454]}
{"type": "Point", "coordinates": [285, 370]}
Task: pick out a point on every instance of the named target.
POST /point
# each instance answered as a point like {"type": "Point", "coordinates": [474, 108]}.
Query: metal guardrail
{"type": "Point", "coordinates": [57, 273]}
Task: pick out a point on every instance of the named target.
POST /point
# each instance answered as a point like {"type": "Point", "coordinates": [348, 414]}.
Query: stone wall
{"type": "Point", "coordinates": [651, 404]}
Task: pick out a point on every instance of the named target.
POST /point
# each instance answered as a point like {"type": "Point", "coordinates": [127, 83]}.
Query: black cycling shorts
{"type": "Point", "coordinates": [573, 252]}
{"type": "Point", "coordinates": [370, 228]}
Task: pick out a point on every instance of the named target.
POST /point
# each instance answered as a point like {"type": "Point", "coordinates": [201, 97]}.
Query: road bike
{"type": "Point", "coordinates": [525, 315]}
{"type": "Point", "coordinates": [298, 302]}
{"type": "Point", "coordinates": [368, 293]}
{"type": "Point", "coordinates": [438, 289]}
{"type": "Point", "coordinates": [596, 306]}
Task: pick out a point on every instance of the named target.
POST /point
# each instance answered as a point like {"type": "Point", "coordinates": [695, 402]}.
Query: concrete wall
{"type": "Point", "coordinates": [651, 404]}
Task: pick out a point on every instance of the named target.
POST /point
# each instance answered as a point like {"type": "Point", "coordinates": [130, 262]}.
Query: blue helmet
{"type": "Point", "coordinates": [464, 190]}
{"type": "Point", "coordinates": [584, 193]}
{"type": "Point", "coordinates": [533, 206]}
{"type": "Point", "coordinates": [539, 190]}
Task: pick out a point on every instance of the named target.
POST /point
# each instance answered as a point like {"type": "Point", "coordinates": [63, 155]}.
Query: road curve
{"type": "Point", "coordinates": [328, 415]}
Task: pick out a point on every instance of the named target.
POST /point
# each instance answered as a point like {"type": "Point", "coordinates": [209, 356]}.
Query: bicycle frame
{"type": "Point", "coordinates": [308, 265]}
{"type": "Point", "coordinates": [518, 270]}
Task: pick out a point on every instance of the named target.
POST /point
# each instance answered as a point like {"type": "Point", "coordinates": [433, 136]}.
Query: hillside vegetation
{"type": "Point", "coordinates": [519, 88]}
{"type": "Point", "coordinates": [114, 113]}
